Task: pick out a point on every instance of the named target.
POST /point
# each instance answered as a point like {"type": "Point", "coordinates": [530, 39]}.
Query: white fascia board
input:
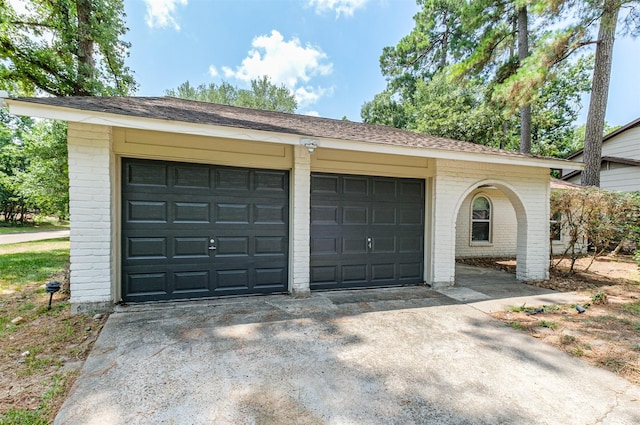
{"type": "Point", "coordinates": [100, 118]}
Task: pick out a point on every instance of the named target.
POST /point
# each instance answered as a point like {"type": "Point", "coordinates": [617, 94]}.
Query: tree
{"type": "Point", "coordinates": [64, 48]}
{"type": "Point", "coordinates": [44, 183]}
{"type": "Point", "coordinates": [263, 95]}
{"type": "Point", "coordinates": [599, 93]}
{"type": "Point", "coordinates": [482, 48]}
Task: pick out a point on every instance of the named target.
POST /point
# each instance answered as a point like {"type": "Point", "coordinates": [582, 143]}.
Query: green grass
{"type": "Point", "coordinates": [633, 308]}
{"type": "Point", "coordinates": [548, 324]}
{"type": "Point", "coordinates": [31, 227]}
{"type": "Point", "coordinates": [38, 416]}
{"type": "Point", "coordinates": [24, 267]}
{"type": "Point", "coordinates": [516, 325]}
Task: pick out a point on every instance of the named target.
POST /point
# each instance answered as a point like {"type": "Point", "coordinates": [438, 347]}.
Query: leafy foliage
{"type": "Point", "coordinates": [262, 95]}
{"type": "Point", "coordinates": [598, 217]}
{"type": "Point", "coordinates": [458, 75]}
{"type": "Point", "coordinates": [65, 47]}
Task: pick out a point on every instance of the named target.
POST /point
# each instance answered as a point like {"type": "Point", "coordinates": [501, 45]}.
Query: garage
{"type": "Point", "coordinates": [196, 231]}
{"type": "Point", "coordinates": [366, 231]}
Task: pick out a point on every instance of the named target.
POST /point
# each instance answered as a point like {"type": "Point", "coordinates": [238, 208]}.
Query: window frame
{"type": "Point", "coordinates": [473, 220]}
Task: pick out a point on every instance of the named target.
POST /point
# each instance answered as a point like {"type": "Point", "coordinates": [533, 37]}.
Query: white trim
{"type": "Point", "coordinates": [489, 241]}
{"type": "Point", "coordinates": [100, 118]}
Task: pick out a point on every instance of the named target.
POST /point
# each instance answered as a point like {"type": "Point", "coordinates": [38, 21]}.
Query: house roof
{"type": "Point", "coordinates": [557, 184]}
{"type": "Point", "coordinates": [629, 126]}
{"type": "Point", "coordinates": [613, 159]}
{"type": "Point", "coordinates": [203, 118]}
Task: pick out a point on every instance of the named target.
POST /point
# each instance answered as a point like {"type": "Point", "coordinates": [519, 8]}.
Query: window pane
{"type": "Point", "coordinates": [555, 231]}
{"type": "Point", "coordinates": [480, 231]}
{"type": "Point", "coordinates": [481, 208]}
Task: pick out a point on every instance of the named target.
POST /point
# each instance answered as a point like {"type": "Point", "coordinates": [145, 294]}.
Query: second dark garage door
{"type": "Point", "coordinates": [194, 231]}
{"type": "Point", "coordinates": [366, 231]}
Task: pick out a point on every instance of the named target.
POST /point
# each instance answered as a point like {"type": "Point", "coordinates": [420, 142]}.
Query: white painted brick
{"type": "Point", "coordinates": [452, 184]}
{"type": "Point", "coordinates": [90, 171]}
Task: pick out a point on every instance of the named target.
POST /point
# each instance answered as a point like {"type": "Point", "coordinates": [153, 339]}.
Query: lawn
{"type": "Point", "coordinates": [41, 350]}
{"type": "Point", "coordinates": [28, 227]}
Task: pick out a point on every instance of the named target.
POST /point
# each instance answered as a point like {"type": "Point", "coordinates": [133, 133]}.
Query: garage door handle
{"type": "Point", "coordinates": [369, 243]}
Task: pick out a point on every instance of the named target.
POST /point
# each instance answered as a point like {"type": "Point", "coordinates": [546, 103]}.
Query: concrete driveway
{"type": "Point", "coordinates": [385, 356]}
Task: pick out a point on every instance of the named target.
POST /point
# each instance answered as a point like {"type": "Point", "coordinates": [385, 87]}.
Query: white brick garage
{"type": "Point", "coordinates": [102, 131]}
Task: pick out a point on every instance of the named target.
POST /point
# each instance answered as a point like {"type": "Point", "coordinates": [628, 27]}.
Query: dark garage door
{"type": "Point", "coordinates": [366, 231]}
{"type": "Point", "coordinates": [193, 231]}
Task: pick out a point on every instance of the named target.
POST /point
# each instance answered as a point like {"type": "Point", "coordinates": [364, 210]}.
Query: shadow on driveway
{"type": "Point", "coordinates": [385, 356]}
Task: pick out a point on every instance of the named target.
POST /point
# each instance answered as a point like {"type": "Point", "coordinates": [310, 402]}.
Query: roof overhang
{"type": "Point", "coordinates": [30, 109]}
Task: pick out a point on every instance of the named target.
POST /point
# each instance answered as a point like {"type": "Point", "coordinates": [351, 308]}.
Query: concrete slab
{"type": "Point", "coordinates": [392, 356]}
{"type": "Point", "coordinates": [10, 238]}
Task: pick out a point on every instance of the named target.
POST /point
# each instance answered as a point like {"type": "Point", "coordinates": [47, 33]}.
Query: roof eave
{"type": "Point", "coordinates": [18, 107]}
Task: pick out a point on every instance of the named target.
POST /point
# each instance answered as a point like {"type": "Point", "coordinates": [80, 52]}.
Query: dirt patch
{"type": "Point", "coordinates": [607, 333]}
{"type": "Point", "coordinates": [42, 350]}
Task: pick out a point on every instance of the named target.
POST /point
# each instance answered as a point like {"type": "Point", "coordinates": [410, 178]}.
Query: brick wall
{"type": "Point", "coordinates": [528, 190]}
{"type": "Point", "coordinates": [90, 196]}
{"type": "Point", "coordinates": [503, 227]}
{"type": "Point", "coordinates": [300, 234]}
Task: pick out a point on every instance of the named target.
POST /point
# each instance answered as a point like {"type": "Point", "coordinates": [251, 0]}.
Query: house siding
{"type": "Point", "coordinates": [91, 179]}
{"type": "Point", "coordinates": [620, 177]}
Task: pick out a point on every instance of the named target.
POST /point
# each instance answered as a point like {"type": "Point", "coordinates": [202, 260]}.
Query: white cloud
{"type": "Point", "coordinates": [340, 7]}
{"type": "Point", "coordinates": [285, 62]}
{"type": "Point", "coordinates": [160, 13]}
{"type": "Point", "coordinates": [312, 113]}
{"type": "Point", "coordinates": [213, 71]}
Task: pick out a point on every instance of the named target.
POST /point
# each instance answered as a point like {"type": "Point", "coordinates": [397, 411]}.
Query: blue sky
{"type": "Point", "coordinates": [325, 51]}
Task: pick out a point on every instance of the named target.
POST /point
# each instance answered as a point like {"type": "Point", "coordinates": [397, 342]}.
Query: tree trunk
{"type": "Point", "coordinates": [599, 93]}
{"type": "Point", "coordinates": [86, 61]}
{"type": "Point", "coordinates": [523, 53]}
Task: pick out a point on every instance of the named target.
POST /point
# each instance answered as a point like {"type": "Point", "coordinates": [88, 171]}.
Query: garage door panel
{"type": "Point", "coordinates": [146, 211]}
{"type": "Point", "coordinates": [191, 212]}
{"type": "Point", "coordinates": [355, 215]}
{"type": "Point", "coordinates": [383, 272]}
{"type": "Point", "coordinates": [384, 189]}
{"type": "Point", "coordinates": [167, 231]}
{"type": "Point", "coordinates": [325, 275]}
{"type": "Point", "coordinates": [192, 177]}
{"type": "Point", "coordinates": [411, 217]}
{"type": "Point", "coordinates": [323, 214]}
{"type": "Point", "coordinates": [383, 216]}
{"type": "Point", "coordinates": [411, 270]}
{"type": "Point", "coordinates": [355, 273]}
{"type": "Point", "coordinates": [269, 278]}
{"type": "Point", "coordinates": [194, 282]}
{"type": "Point", "coordinates": [357, 187]}
{"type": "Point", "coordinates": [190, 247]}
{"type": "Point", "coordinates": [326, 246]}
{"type": "Point", "coordinates": [354, 245]}
{"type": "Point", "coordinates": [378, 236]}
{"type": "Point", "coordinates": [270, 246]}
{"type": "Point", "coordinates": [139, 174]}
{"type": "Point", "coordinates": [146, 248]}
{"type": "Point", "coordinates": [266, 181]}
{"type": "Point", "coordinates": [146, 284]}
{"type": "Point", "coordinates": [232, 279]}
{"type": "Point", "coordinates": [232, 213]}
{"type": "Point", "coordinates": [232, 179]}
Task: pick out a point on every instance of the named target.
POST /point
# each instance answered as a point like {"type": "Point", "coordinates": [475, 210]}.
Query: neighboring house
{"type": "Point", "coordinates": [487, 224]}
{"type": "Point", "coordinates": [620, 166]}
{"type": "Point", "coordinates": [175, 199]}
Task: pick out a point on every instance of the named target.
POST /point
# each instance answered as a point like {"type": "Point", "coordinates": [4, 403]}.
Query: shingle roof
{"type": "Point", "coordinates": [188, 111]}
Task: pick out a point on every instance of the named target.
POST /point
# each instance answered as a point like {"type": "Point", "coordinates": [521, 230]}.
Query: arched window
{"type": "Point", "coordinates": [481, 220]}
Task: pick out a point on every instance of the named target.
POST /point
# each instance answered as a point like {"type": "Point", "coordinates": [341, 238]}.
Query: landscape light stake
{"type": "Point", "coordinates": [52, 288]}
